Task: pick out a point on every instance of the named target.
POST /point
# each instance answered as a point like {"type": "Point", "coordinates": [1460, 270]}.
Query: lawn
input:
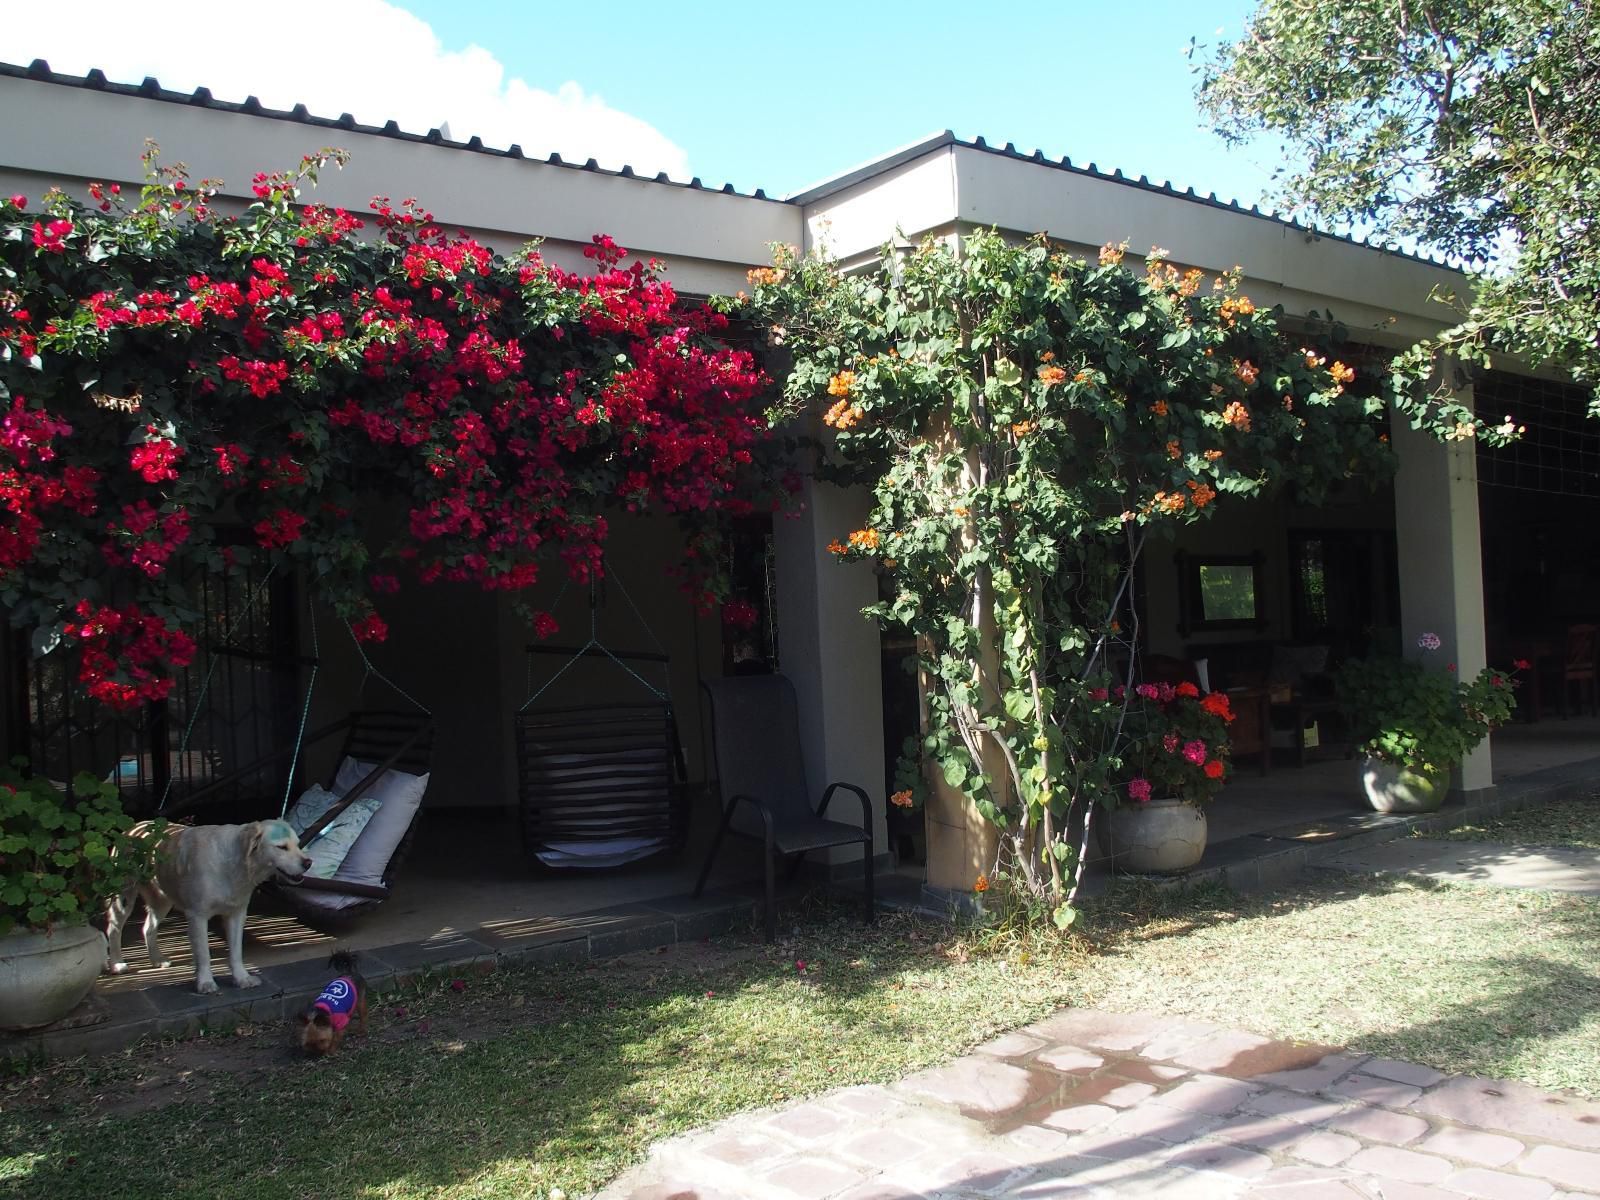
{"type": "Point", "coordinates": [527, 1080]}
{"type": "Point", "coordinates": [1573, 822]}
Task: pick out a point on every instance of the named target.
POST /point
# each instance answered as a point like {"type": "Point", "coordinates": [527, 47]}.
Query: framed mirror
{"type": "Point", "coordinates": [1220, 592]}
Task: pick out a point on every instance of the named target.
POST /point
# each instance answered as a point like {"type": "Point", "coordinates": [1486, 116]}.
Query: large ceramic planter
{"type": "Point", "coordinates": [44, 976]}
{"type": "Point", "coordinates": [1392, 789]}
{"type": "Point", "coordinates": [1158, 837]}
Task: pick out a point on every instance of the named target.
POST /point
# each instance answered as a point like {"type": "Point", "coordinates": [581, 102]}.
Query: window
{"type": "Point", "coordinates": [1220, 591]}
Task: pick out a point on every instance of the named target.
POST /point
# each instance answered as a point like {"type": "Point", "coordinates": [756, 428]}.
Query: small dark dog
{"type": "Point", "coordinates": [324, 1021]}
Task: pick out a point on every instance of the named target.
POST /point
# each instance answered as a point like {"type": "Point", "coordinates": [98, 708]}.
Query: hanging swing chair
{"type": "Point", "coordinates": [358, 826]}
{"type": "Point", "coordinates": [601, 785]}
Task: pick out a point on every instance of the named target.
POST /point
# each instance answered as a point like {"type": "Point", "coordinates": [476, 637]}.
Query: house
{"type": "Point", "coordinates": [1466, 544]}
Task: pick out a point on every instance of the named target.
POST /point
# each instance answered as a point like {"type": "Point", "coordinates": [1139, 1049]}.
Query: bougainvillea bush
{"type": "Point", "coordinates": [1026, 419]}
{"type": "Point", "coordinates": [166, 370]}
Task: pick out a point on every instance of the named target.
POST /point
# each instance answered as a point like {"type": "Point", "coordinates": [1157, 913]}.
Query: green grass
{"type": "Point", "coordinates": [524, 1081]}
{"type": "Point", "coordinates": [561, 1077]}
{"type": "Point", "coordinates": [1474, 980]}
{"type": "Point", "coordinates": [1573, 822]}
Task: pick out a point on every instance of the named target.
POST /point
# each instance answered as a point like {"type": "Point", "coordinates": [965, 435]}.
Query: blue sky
{"type": "Point", "coordinates": [770, 95]}
{"type": "Point", "coordinates": [779, 96]}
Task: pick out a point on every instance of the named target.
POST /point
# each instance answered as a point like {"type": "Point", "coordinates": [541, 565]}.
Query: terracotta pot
{"type": "Point", "coordinates": [1158, 837]}
{"type": "Point", "coordinates": [44, 976]}
{"type": "Point", "coordinates": [1392, 789]}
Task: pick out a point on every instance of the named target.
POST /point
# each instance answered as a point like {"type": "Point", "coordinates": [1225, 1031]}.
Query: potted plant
{"type": "Point", "coordinates": [1174, 755]}
{"type": "Point", "coordinates": [62, 857]}
{"type": "Point", "coordinates": [1413, 723]}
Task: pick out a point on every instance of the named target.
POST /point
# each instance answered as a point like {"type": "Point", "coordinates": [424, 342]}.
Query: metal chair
{"type": "Point", "coordinates": [1578, 667]}
{"type": "Point", "coordinates": [755, 731]}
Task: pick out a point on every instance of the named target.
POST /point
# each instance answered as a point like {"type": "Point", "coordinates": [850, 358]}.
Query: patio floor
{"type": "Point", "coordinates": [467, 898]}
{"type": "Point", "coordinates": [466, 878]}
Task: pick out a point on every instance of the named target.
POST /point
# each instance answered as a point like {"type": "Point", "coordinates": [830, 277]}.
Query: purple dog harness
{"type": "Point", "coordinates": [338, 1000]}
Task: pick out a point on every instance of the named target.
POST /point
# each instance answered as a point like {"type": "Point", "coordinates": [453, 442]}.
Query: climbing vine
{"type": "Point", "coordinates": [1027, 420]}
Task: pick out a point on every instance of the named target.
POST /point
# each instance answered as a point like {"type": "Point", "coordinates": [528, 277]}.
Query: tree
{"type": "Point", "coordinates": [1024, 419]}
{"type": "Point", "coordinates": [1470, 127]}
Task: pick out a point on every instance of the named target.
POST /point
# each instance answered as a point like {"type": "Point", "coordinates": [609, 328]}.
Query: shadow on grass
{"type": "Point", "coordinates": [1461, 978]}
{"type": "Point", "coordinates": [581, 1068]}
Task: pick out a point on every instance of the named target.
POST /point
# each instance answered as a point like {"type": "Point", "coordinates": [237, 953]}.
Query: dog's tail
{"type": "Point", "coordinates": [343, 961]}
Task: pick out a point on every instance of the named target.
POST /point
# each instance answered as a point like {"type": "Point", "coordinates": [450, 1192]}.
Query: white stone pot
{"type": "Point", "coordinates": [1158, 837]}
{"type": "Point", "coordinates": [1392, 789]}
{"type": "Point", "coordinates": [44, 976]}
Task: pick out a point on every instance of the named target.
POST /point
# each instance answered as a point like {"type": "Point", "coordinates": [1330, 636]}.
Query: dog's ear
{"type": "Point", "coordinates": [321, 1017]}
{"type": "Point", "coordinates": [257, 832]}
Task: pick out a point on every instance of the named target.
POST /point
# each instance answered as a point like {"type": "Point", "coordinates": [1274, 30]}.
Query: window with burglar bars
{"type": "Point", "coordinates": [245, 645]}
{"type": "Point", "coordinates": [1558, 455]}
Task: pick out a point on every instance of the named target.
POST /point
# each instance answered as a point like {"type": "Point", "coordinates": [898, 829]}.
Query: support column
{"type": "Point", "coordinates": [1441, 562]}
{"type": "Point", "coordinates": [831, 653]}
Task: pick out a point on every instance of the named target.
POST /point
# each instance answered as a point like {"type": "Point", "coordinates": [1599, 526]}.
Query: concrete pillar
{"type": "Point", "coordinates": [831, 652]}
{"type": "Point", "coordinates": [1441, 561]}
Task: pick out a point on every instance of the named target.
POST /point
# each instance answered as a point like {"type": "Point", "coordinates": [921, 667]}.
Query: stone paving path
{"type": "Point", "coordinates": [1087, 1104]}
{"type": "Point", "coordinates": [1492, 864]}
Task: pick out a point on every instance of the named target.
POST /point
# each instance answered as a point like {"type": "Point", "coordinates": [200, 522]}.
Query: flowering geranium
{"type": "Point", "coordinates": [1174, 742]}
{"type": "Point", "coordinates": [1404, 712]}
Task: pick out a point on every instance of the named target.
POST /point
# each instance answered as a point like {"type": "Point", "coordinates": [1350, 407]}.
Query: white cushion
{"type": "Point", "coordinates": [398, 795]}
{"type": "Point", "coordinates": [330, 848]}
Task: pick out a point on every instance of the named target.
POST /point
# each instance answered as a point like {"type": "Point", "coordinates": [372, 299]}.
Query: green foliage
{"type": "Point", "coordinates": [63, 856]}
{"type": "Point", "coordinates": [1025, 418]}
{"type": "Point", "coordinates": [1468, 126]}
{"type": "Point", "coordinates": [1424, 720]}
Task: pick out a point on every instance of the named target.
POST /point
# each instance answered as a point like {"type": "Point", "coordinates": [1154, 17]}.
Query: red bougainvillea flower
{"type": "Point", "coordinates": [739, 614]}
{"type": "Point", "coordinates": [544, 625]}
{"type": "Point", "coordinates": [371, 628]}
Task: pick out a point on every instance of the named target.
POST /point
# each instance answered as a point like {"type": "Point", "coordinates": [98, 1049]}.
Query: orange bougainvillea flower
{"type": "Point", "coordinates": [982, 885]}
{"type": "Point", "coordinates": [1342, 373]}
{"type": "Point", "coordinates": [961, 510]}
{"type": "Point", "coordinates": [1174, 449]}
{"type": "Point", "coordinates": [1170, 502]}
{"type": "Point", "coordinates": [1213, 455]}
{"type": "Point", "coordinates": [1050, 374]}
{"type": "Point", "coordinates": [1313, 359]}
{"type": "Point", "coordinates": [842, 383]}
{"type": "Point", "coordinates": [1202, 495]}
{"type": "Point", "coordinates": [1111, 255]}
{"type": "Point", "coordinates": [901, 799]}
{"type": "Point", "coordinates": [838, 547]}
{"type": "Point", "coordinates": [1247, 372]}
{"type": "Point", "coordinates": [843, 415]}
{"type": "Point", "coordinates": [1238, 416]}
{"type": "Point", "coordinates": [1159, 408]}
{"type": "Point", "coordinates": [1023, 428]}
{"type": "Point", "coordinates": [1082, 377]}
{"type": "Point", "coordinates": [1048, 356]}
{"type": "Point", "coordinates": [765, 275]}
{"type": "Point", "coordinates": [864, 539]}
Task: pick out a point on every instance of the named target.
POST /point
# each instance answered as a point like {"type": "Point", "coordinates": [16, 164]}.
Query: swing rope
{"type": "Point", "coordinates": [594, 643]}
{"type": "Point", "coordinates": [205, 685]}
{"type": "Point", "coordinates": [370, 670]}
{"type": "Point", "coordinates": [305, 710]}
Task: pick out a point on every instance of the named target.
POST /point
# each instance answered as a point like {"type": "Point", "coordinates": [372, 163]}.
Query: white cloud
{"type": "Point", "coordinates": [364, 57]}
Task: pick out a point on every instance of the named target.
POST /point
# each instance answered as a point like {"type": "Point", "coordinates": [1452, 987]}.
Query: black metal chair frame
{"type": "Point", "coordinates": [772, 847]}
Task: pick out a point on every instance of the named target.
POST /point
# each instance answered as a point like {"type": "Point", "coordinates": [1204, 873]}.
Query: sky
{"type": "Point", "coordinates": [776, 96]}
